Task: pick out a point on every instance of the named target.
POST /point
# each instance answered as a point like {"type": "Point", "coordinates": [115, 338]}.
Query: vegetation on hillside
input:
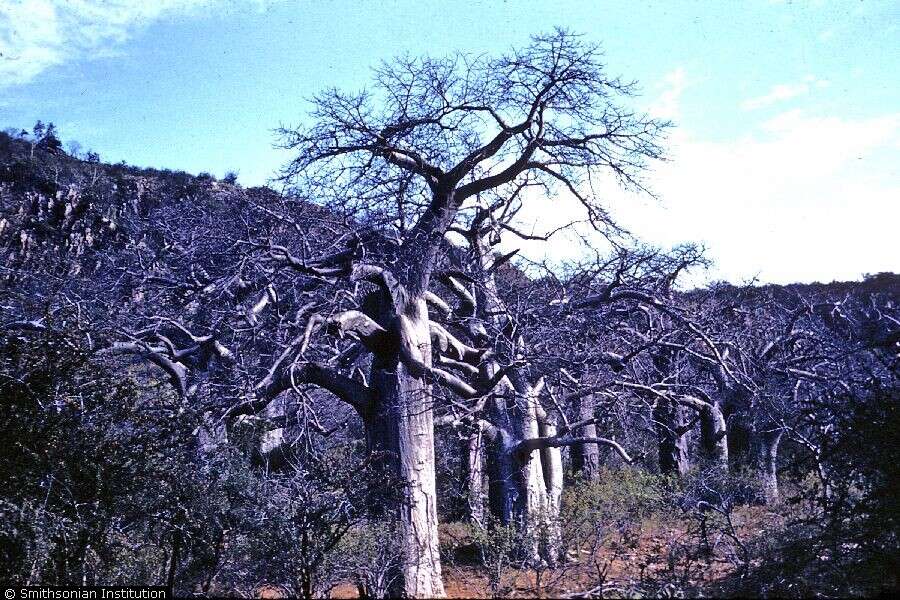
{"type": "Point", "coordinates": [236, 392]}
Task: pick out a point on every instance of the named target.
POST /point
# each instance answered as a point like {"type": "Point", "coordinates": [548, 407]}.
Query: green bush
{"type": "Point", "coordinates": [370, 557]}
{"type": "Point", "coordinates": [617, 495]}
{"type": "Point", "coordinates": [499, 546]}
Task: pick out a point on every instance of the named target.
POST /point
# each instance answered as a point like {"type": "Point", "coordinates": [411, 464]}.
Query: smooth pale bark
{"type": "Point", "coordinates": [672, 440]}
{"type": "Point", "coordinates": [402, 430]}
{"type": "Point", "coordinates": [765, 447]}
{"type": "Point", "coordinates": [586, 457]}
{"type": "Point", "coordinates": [551, 460]}
{"type": "Point", "coordinates": [475, 474]}
{"type": "Point", "coordinates": [714, 436]}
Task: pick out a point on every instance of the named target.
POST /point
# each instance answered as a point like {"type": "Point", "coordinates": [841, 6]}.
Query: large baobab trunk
{"type": "Point", "coordinates": [765, 454]}
{"type": "Point", "coordinates": [402, 430]}
{"type": "Point", "coordinates": [671, 421]}
{"type": "Point", "coordinates": [405, 403]}
{"type": "Point", "coordinates": [586, 457]}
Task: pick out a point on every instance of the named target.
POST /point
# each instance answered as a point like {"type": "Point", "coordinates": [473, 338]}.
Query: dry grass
{"type": "Point", "coordinates": [656, 554]}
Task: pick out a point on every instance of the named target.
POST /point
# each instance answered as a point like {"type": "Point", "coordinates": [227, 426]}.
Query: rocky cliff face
{"type": "Point", "coordinates": [57, 208]}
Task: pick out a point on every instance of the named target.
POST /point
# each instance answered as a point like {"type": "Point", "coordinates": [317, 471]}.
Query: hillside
{"type": "Point", "coordinates": [77, 207]}
{"type": "Point", "coordinates": [190, 375]}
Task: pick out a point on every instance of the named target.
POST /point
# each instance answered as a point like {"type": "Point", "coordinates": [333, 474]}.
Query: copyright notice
{"type": "Point", "coordinates": [118, 592]}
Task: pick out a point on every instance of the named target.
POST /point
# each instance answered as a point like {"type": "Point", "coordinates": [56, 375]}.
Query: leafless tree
{"type": "Point", "coordinates": [431, 136]}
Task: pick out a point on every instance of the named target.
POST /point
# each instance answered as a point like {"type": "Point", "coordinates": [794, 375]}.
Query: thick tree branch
{"type": "Point", "coordinates": [526, 447]}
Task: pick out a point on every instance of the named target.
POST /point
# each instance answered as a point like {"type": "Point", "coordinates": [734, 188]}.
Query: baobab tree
{"type": "Point", "coordinates": [658, 340]}
{"type": "Point", "coordinates": [430, 136]}
{"type": "Point", "coordinates": [792, 348]}
{"type": "Point", "coordinates": [512, 427]}
{"type": "Point", "coordinates": [555, 358]}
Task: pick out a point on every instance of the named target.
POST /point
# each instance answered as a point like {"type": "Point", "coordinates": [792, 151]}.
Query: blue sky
{"type": "Point", "coordinates": [784, 162]}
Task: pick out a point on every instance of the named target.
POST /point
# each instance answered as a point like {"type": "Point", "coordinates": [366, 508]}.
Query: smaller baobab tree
{"type": "Point", "coordinates": [799, 347]}
{"type": "Point", "coordinates": [511, 426]}
{"type": "Point", "coordinates": [656, 338]}
{"type": "Point", "coordinates": [557, 358]}
{"type": "Point", "coordinates": [429, 137]}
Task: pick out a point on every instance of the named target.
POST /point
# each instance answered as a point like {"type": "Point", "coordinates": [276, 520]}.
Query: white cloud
{"type": "Point", "coordinates": [800, 198]}
{"type": "Point", "coordinates": [667, 104]}
{"type": "Point", "coordinates": [36, 35]}
{"type": "Point", "coordinates": [797, 197]}
{"type": "Point", "coordinates": [826, 35]}
{"type": "Point", "coordinates": [784, 91]}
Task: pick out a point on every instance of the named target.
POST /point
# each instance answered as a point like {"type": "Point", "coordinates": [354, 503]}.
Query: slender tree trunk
{"type": "Point", "coordinates": [475, 472]}
{"type": "Point", "coordinates": [824, 479]}
{"type": "Point", "coordinates": [766, 444]}
{"type": "Point", "coordinates": [551, 460]}
{"type": "Point", "coordinates": [586, 457]}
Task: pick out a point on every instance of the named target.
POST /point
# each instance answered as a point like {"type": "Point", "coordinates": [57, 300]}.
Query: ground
{"type": "Point", "coordinates": [660, 556]}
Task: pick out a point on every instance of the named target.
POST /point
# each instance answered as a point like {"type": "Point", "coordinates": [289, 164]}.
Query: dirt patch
{"type": "Point", "coordinates": [654, 557]}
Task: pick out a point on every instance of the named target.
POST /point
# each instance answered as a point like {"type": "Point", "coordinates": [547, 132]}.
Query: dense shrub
{"type": "Point", "coordinates": [93, 470]}
{"type": "Point", "coordinates": [617, 495]}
